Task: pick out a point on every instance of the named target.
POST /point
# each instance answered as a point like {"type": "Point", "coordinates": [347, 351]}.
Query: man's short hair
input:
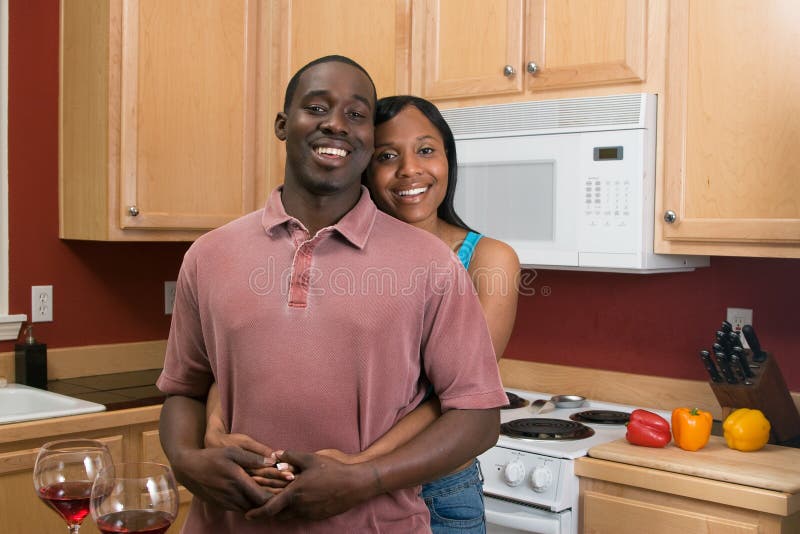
{"type": "Point", "coordinates": [290, 88]}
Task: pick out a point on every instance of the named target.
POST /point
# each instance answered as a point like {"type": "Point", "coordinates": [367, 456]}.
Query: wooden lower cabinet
{"type": "Point", "coordinates": [151, 451]}
{"type": "Point", "coordinates": [609, 508]}
{"type": "Point", "coordinates": [21, 511]}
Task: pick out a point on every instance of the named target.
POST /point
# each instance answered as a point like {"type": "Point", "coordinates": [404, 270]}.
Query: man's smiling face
{"type": "Point", "coordinates": [328, 128]}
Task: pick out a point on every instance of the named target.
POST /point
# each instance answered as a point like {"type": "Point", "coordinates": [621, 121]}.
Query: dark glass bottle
{"type": "Point", "coordinates": [30, 361]}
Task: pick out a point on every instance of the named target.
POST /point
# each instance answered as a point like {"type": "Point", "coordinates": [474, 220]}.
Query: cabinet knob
{"type": "Point", "coordinates": [670, 216]}
{"type": "Point", "coordinates": [133, 211]}
{"type": "Point", "coordinates": [532, 67]}
{"type": "Point", "coordinates": [509, 71]}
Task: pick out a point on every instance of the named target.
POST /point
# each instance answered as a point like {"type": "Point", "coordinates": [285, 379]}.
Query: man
{"type": "Point", "coordinates": [334, 354]}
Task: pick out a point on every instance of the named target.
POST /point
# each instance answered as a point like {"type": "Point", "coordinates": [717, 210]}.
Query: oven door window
{"type": "Point", "coordinates": [503, 517]}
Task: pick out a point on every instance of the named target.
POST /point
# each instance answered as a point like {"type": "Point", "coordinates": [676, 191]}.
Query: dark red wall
{"type": "Point", "coordinates": [102, 293]}
{"type": "Point", "coordinates": [656, 324]}
{"type": "Point", "coordinates": [111, 293]}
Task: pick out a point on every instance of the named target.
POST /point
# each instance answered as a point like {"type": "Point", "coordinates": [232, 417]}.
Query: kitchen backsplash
{"type": "Point", "coordinates": [656, 324]}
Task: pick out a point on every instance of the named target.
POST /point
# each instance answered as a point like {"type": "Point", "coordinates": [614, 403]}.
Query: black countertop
{"type": "Point", "coordinates": [116, 391]}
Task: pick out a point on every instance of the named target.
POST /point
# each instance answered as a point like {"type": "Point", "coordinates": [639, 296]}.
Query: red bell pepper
{"type": "Point", "coordinates": [647, 429]}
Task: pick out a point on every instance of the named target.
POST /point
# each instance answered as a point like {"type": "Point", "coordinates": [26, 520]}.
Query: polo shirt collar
{"type": "Point", "coordinates": [355, 226]}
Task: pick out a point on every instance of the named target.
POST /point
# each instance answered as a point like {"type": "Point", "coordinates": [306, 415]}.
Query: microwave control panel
{"type": "Point", "coordinates": [610, 189]}
{"type": "Point", "coordinates": [607, 202]}
{"type": "Point", "coordinates": [609, 218]}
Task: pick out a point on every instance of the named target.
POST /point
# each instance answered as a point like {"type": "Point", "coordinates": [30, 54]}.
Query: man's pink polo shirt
{"type": "Point", "coordinates": [321, 342]}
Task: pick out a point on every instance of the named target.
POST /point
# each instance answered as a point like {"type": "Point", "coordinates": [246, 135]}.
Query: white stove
{"type": "Point", "coordinates": [530, 484]}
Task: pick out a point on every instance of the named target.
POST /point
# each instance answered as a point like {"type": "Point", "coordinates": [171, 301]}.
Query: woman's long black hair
{"type": "Point", "coordinates": [388, 107]}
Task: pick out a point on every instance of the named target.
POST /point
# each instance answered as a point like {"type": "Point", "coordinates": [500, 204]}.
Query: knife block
{"type": "Point", "coordinates": [769, 394]}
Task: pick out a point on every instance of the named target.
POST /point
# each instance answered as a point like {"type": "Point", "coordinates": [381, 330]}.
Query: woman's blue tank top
{"type": "Point", "coordinates": [468, 247]}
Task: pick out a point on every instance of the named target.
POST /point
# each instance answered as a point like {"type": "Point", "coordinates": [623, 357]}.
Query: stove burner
{"type": "Point", "coordinates": [547, 429]}
{"type": "Point", "coordinates": [514, 401]}
{"type": "Point", "coordinates": [601, 417]}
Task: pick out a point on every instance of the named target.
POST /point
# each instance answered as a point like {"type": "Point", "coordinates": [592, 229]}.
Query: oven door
{"type": "Point", "coordinates": [503, 517]}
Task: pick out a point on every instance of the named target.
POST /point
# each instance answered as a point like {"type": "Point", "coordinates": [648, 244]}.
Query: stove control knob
{"type": "Point", "coordinates": [514, 473]}
{"type": "Point", "coordinates": [541, 479]}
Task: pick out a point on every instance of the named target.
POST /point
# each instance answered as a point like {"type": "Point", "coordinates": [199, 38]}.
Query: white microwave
{"type": "Point", "coordinates": [568, 183]}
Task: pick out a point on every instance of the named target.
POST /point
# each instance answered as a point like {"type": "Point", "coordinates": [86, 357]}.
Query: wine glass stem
{"type": "Point", "coordinates": [73, 529]}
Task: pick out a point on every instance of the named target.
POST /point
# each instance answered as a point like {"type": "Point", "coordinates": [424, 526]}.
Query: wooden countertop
{"type": "Point", "coordinates": [767, 480]}
{"type": "Point", "coordinates": [56, 426]}
{"type": "Point", "coordinates": [773, 468]}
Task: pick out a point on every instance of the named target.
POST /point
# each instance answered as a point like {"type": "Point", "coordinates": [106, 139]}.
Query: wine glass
{"type": "Point", "coordinates": [64, 473]}
{"type": "Point", "coordinates": [135, 497]}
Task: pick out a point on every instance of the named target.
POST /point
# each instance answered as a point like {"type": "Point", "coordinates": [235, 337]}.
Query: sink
{"type": "Point", "coordinates": [24, 403]}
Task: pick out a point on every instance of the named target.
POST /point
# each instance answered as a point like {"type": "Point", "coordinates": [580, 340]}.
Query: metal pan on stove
{"type": "Point", "coordinates": [568, 401]}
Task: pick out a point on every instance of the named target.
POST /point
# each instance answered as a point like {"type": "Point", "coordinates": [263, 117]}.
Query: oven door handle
{"type": "Point", "coordinates": [523, 518]}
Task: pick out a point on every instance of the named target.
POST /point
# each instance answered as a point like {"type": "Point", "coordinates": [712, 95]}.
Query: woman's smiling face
{"type": "Point", "coordinates": [408, 173]}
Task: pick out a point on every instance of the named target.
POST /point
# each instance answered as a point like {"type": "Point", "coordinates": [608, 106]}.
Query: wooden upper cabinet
{"type": "Point", "coordinates": [474, 48]}
{"type": "Point", "coordinates": [158, 117]}
{"type": "Point", "coordinates": [732, 162]}
{"type": "Point", "coordinates": [577, 43]}
{"type": "Point", "coordinates": [465, 48]}
{"type": "Point", "coordinates": [376, 34]}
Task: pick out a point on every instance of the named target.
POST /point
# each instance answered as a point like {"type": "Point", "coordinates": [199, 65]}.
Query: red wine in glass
{"type": "Point", "coordinates": [134, 497]}
{"type": "Point", "coordinates": [64, 474]}
{"type": "Point", "coordinates": [70, 499]}
{"type": "Point", "coordinates": [138, 521]}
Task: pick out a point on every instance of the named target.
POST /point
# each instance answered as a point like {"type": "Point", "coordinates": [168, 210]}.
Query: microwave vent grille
{"type": "Point", "coordinates": [566, 115]}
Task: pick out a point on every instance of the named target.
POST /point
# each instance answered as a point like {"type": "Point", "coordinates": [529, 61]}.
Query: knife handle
{"type": "Point", "coordinates": [725, 367]}
{"type": "Point", "coordinates": [740, 353]}
{"type": "Point", "coordinates": [734, 340]}
{"type": "Point", "coordinates": [720, 336]}
{"type": "Point", "coordinates": [739, 371]}
{"type": "Point", "coordinates": [705, 356]}
{"type": "Point", "coordinates": [755, 346]}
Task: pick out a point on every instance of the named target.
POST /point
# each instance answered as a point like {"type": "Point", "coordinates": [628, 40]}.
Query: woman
{"type": "Point", "coordinates": [412, 177]}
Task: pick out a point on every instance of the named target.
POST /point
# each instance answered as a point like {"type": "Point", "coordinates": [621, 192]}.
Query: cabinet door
{"type": "Point", "coordinates": [732, 137]}
{"type": "Point", "coordinates": [151, 451]}
{"type": "Point", "coordinates": [187, 118]}
{"type": "Point", "coordinates": [461, 48]}
{"type": "Point", "coordinates": [585, 42]}
{"type": "Point", "coordinates": [375, 34]}
{"type": "Point", "coordinates": [603, 513]}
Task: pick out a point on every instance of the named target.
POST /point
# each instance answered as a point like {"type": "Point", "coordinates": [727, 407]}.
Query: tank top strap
{"type": "Point", "coordinates": [467, 248]}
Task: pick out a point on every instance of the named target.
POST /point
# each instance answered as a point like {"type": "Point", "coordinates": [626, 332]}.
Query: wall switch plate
{"type": "Point", "coordinates": [41, 304]}
{"type": "Point", "coordinates": [169, 297]}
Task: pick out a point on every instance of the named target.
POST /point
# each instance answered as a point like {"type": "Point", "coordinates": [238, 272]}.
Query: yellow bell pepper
{"type": "Point", "coordinates": [691, 428]}
{"type": "Point", "coordinates": [746, 430]}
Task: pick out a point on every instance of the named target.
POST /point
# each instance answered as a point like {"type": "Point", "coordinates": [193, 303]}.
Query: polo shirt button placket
{"type": "Point", "coordinates": [298, 296]}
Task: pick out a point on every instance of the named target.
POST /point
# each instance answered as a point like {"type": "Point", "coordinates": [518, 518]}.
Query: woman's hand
{"type": "Point", "coordinates": [274, 477]}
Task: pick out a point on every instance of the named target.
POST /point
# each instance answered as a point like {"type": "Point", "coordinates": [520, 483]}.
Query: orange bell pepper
{"type": "Point", "coordinates": [691, 428]}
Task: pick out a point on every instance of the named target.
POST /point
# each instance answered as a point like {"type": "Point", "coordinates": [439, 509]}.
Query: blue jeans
{"type": "Point", "coordinates": [456, 502]}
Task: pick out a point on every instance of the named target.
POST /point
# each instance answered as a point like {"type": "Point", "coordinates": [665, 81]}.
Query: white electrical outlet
{"type": "Point", "coordinates": [41, 304]}
{"type": "Point", "coordinates": [739, 317]}
{"type": "Point", "coordinates": [169, 297]}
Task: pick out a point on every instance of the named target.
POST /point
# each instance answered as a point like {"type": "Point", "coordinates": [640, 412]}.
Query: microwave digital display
{"type": "Point", "coordinates": [606, 153]}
